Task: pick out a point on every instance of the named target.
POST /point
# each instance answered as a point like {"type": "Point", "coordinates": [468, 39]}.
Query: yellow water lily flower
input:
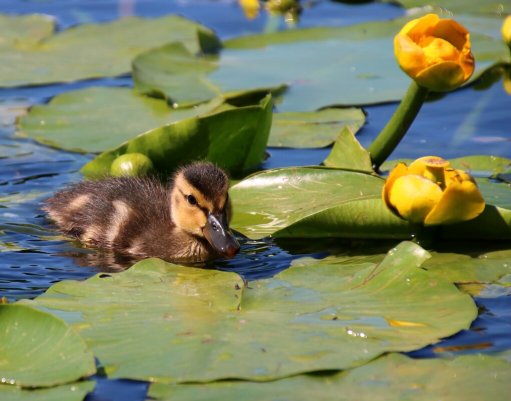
{"type": "Point", "coordinates": [435, 52]}
{"type": "Point", "coordinates": [250, 8]}
{"type": "Point", "coordinates": [431, 192]}
{"type": "Point", "coordinates": [506, 30]}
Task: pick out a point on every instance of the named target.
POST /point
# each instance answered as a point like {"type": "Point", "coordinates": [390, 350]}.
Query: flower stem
{"type": "Point", "coordinates": [396, 128]}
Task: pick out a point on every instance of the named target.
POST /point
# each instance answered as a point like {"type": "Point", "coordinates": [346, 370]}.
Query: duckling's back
{"type": "Point", "coordinates": [130, 215]}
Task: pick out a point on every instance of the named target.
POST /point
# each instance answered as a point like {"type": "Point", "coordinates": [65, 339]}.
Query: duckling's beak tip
{"type": "Point", "coordinates": [232, 250]}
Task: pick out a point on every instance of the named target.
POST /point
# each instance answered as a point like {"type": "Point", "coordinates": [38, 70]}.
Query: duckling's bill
{"type": "Point", "coordinates": [219, 236]}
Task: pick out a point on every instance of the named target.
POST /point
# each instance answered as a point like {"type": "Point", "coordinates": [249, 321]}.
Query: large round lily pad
{"type": "Point", "coordinates": [38, 349]}
{"type": "Point", "coordinates": [162, 322]}
{"type": "Point", "coordinates": [89, 50]}
{"type": "Point", "coordinates": [351, 65]}
{"type": "Point", "coordinates": [98, 118]}
{"type": "Point", "coordinates": [390, 378]}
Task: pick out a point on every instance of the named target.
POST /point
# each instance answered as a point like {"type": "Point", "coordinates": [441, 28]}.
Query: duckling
{"type": "Point", "coordinates": [185, 221]}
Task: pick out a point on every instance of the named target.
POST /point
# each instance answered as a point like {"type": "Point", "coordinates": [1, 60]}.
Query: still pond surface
{"type": "Point", "coordinates": [33, 256]}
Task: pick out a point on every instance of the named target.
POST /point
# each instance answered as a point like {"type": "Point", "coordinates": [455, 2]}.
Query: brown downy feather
{"type": "Point", "coordinates": [133, 216]}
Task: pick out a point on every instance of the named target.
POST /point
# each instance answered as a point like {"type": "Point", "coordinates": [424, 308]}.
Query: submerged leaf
{"type": "Point", "coordinates": [203, 325]}
{"type": "Point", "coordinates": [40, 350]}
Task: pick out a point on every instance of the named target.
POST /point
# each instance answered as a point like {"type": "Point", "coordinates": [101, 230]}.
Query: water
{"type": "Point", "coordinates": [34, 256]}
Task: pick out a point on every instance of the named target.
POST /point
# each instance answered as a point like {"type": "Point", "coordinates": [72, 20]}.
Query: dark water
{"type": "Point", "coordinates": [33, 256]}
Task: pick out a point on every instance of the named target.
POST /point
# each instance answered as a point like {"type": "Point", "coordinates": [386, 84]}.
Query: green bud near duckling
{"type": "Point", "coordinates": [184, 221]}
{"type": "Point", "coordinates": [131, 165]}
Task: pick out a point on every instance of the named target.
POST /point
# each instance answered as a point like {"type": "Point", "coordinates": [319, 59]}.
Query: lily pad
{"type": "Point", "coordinates": [25, 31]}
{"type": "Point", "coordinates": [350, 65]}
{"type": "Point", "coordinates": [459, 268]}
{"type": "Point", "coordinates": [90, 50]}
{"type": "Point", "coordinates": [313, 202]}
{"type": "Point", "coordinates": [461, 6]}
{"type": "Point", "coordinates": [347, 153]}
{"type": "Point", "coordinates": [313, 129]}
{"type": "Point", "coordinates": [234, 139]}
{"type": "Point", "coordinates": [204, 325]}
{"type": "Point", "coordinates": [98, 118]}
{"type": "Point", "coordinates": [40, 350]}
{"type": "Point", "coordinates": [392, 377]}
{"type": "Point", "coordinates": [67, 392]}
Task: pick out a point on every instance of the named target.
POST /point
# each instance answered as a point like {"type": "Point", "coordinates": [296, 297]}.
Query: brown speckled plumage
{"type": "Point", "coordinates": [134, 216]}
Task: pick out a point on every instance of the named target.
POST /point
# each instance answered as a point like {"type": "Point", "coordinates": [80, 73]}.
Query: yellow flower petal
{"type": "Point", "coordinates": [396, 172]}
{"type": "Point", "coordinates": [506, 30]}
{"type": "Point", "coordinates": [461, 201]}
{"type": "Point", "coordinates": [410, 56]}
{"type": "Point", "coordinates": [250, 8]}
{"type": "Point", "coordinates": [451, 31]}
{"type": "Point", "coordinates": [435, 52]}
{"type": "Point", "coordinates": [442, 77]}
{"type": "Point", "coordinates": [414, 197]}
{"type": "Point", "coordinates": [439, 50]}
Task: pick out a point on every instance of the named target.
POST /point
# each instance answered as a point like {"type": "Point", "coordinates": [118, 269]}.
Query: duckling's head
{"type": "Point", "coordinates": [201, 206]}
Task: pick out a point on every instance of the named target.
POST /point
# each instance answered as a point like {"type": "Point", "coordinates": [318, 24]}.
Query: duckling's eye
{"type": "Point", "coordinates": [191, 200]}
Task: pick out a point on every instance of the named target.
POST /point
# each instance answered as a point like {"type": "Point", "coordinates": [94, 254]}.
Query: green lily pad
{"type": "Point", "coordinates": [347, 153]}
{"type": "Point", "coordinates": [25, 31]}
{"type": "Point", "coordinates": [40, 350]}
{"type": "Point", "coordinates": [461, 6]}
{"type": "Point", "coordinates": [351, 65]}
{"type": "Point", "coordinates": [204, 325]}
{"type": "Point", "coordinates": [67, 392]}
{"type": "Point", "coordinates": [98, 118]}
{"type": "Point", "coordinates": [313, 202]}
{"type": "Point", "coordinates": [89, 50]}
{"type": "Point", "coordinates": [389, 378]}
{"type": "Point", "coordinates": [313, 129]}
{"type": "Point", "coordinates": [460, 268]}
{"type": "Point", "coordinates": [234, 139]}
{"type": "Point", "coordinates": [272, 200]}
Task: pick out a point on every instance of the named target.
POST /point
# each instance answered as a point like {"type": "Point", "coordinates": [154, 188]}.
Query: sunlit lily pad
{"type": "Point", "coordinates": [95, 119]}
{"type": "Point", "coordinates": [68, 392]}
{"type": "Point", "coordinates": [312, 202]}
{"type": "Point", "coordinates": [234, 139]}
{"type": "Point", "coordinates": [313, 129]}
{"type": "Point", "coordinates": [390, 378]}
{"type": "Point", "coordinates": [203, 325]}
{"type": "Point", "coordinates": [89, 50]}
{"type": "Point", "coordinates": [347, 153]}
{"type": "Point", "coordinates": [39, 350]}
{"type": "Point", "coordinates": [351, 65]}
